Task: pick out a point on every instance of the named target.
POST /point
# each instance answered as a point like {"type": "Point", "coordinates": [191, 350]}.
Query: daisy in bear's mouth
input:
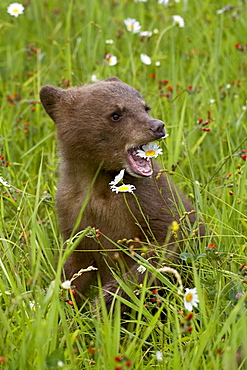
{"type": "Point", "coordinates": [139, 158]}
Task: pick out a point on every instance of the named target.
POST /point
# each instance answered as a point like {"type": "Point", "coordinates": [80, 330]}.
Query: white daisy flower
{"type": "Point", "coordinates": [141, 269]}
{"type": "Point", "coordinates": [157, 64]}
{"type": "Point", "coordinates": [132, 25]}
{"type": "Point", "coordinates": [190, 299]}
{"type": "Point", "coordinates": [15, 9]}
{"type": "Point", "coordinates": [32, 306]}
{"type": "Point", "coordinates": [145, 59]}
{"type": "Point", "coordinates": [94, 78]}
{"type": "Point", "coordinates": [3, 182]}
{"type": "Point", "coordinates": [178, 20]}
{"type": "Point", "coordinates": [150, 150]}
{"type": "Point", "coordinates": [159, 356]}
{"type": "Point", "coordinates": [117, 179]}
{"type": "Point", "coordinates": [111, 59]}
{"type": "Point", "coordinates": [66, 284]}
{"type": "Point", "coordinates": [146, 33]}
{"type": "Point", "coordinates": [164, 2]}
{"type": "Point", "coordinates": [124, 188]}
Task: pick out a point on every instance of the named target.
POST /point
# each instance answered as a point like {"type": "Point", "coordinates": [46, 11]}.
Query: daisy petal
{"type": "Point", "coordinates": [118, 178]}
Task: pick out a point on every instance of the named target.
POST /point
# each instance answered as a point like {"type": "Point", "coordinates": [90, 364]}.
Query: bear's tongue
{"type": "Point", "coordinates": [139, 166]}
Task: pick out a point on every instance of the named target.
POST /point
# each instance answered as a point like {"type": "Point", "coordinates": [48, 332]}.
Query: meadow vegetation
{"type": "Point", "coordinates": [194, 78]}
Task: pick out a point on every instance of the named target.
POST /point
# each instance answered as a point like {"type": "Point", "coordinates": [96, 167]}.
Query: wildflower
{"type": "Point", "coordinates": [156, 31]}
{"type": "Point", "coordinates": [2, 358]}
{"type": "Point", "coordinates": [94, 78]}
{"type": "Point", "coordinates": [239, 47]}
{"type": "Point", "coordinates": [146, 34]}
{"type": "Point", "coordinates": [109, 42]}
{"type": "Point", "coordinates": [157, 64]}
{"type": "Point", "coordinates": [189, 317]}
{"type": "Point", "coordinates": [118, 178]}
{"type": "Point", "coordinates": [145, 59]}
{"type": "Point", "coordinates": [164, 2]}
{"type": "Point", "coordinates": [190, 299]}
{"type": "Point", "coordinates": [132, 25]}
{"type": "Point", "coordinates": [111, 59]}
{"type": "Point", "coordinates": [150, 150]}
{"type": "Point", "coordinates": [60, 363]}
{"type": "Point", "coordinates": [91, 351]}
{"type": "Point", "coordinates": [32, 306]}
{"type": "Point", "coordinates": [178, 20]}
{"type": "Point", "coordinates": [159, 356]}
{"type": "Point", "coordinates": [175, 226]}
{"type": "Point", "coordinates": [140, 1]}
{"type": "Point", "coordinates": [97, 232]}
{"type": "Point", "coordinates": [66, 284]}
{"type": "Point", "coordinates": [238, 295]}
{"type": "Point", "coordinates": [124, 188]}
{"type": "Point", "coordinates": [15, 9]}
{"type": "Point", "coordinates": [141, 269]}
{"type": "Point", "coordinates": [71, 303]}
{"type": "Point", "coordinates": [3, 182]}
{"type": "Point", "coordinates": [211, 245]}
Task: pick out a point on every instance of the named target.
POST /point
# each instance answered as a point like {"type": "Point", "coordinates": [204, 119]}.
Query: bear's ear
{"type": "Point", "coordinates": [50, 96]}
{"type": "Point", "coordinates": [113, 78]}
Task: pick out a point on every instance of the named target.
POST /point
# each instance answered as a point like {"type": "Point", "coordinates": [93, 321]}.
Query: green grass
{"type": "Point", "coordinates": [39, 329]}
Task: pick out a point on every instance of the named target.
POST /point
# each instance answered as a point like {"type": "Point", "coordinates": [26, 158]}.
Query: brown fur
{"type": "Point", "coordinates": [88, 138]}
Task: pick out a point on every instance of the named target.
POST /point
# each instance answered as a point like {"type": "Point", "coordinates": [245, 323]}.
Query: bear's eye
{"type": "Point", "coordinates": [147, 108]}
{"type": "Point", "coordinates": [115, 117]}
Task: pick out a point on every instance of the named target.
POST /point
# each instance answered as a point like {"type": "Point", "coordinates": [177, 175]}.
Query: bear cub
{"type": "Point", "coordinates": [100, 127]}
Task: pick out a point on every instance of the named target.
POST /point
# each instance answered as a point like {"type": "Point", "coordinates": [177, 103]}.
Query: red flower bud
{"type": "Point", "coordinates": [91, 350]}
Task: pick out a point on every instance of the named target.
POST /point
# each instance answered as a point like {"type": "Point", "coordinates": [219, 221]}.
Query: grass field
{"type": "Point", "coordinates": [196, 84]}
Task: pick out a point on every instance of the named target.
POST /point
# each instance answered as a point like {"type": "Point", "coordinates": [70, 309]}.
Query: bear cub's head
{"type": "Point", "coordinates": [102, 123]}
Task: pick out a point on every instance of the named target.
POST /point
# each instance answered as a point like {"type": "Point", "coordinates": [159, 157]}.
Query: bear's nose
{"type": "Point", "coordinates": [157, 128]}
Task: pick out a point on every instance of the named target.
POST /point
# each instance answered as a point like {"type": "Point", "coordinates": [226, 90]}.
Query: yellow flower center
{"type": "Point", "coordinates": [123, 188]}
{"type": "Point", "coordinates": [150, 153]}
{"type": "Point", "coordinates": [15, 11]}
{"type": "Point", "coordinates": [130, 27]}
{"type": "Point", "coordinates": [189, 297]}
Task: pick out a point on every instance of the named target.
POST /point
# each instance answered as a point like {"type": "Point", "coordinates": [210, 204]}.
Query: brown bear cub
{"type": "Point", "coordinates": [100, 127]}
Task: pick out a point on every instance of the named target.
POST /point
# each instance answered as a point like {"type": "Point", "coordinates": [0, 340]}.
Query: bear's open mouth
{"type": "Point", "coordinates": [138, 166]}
